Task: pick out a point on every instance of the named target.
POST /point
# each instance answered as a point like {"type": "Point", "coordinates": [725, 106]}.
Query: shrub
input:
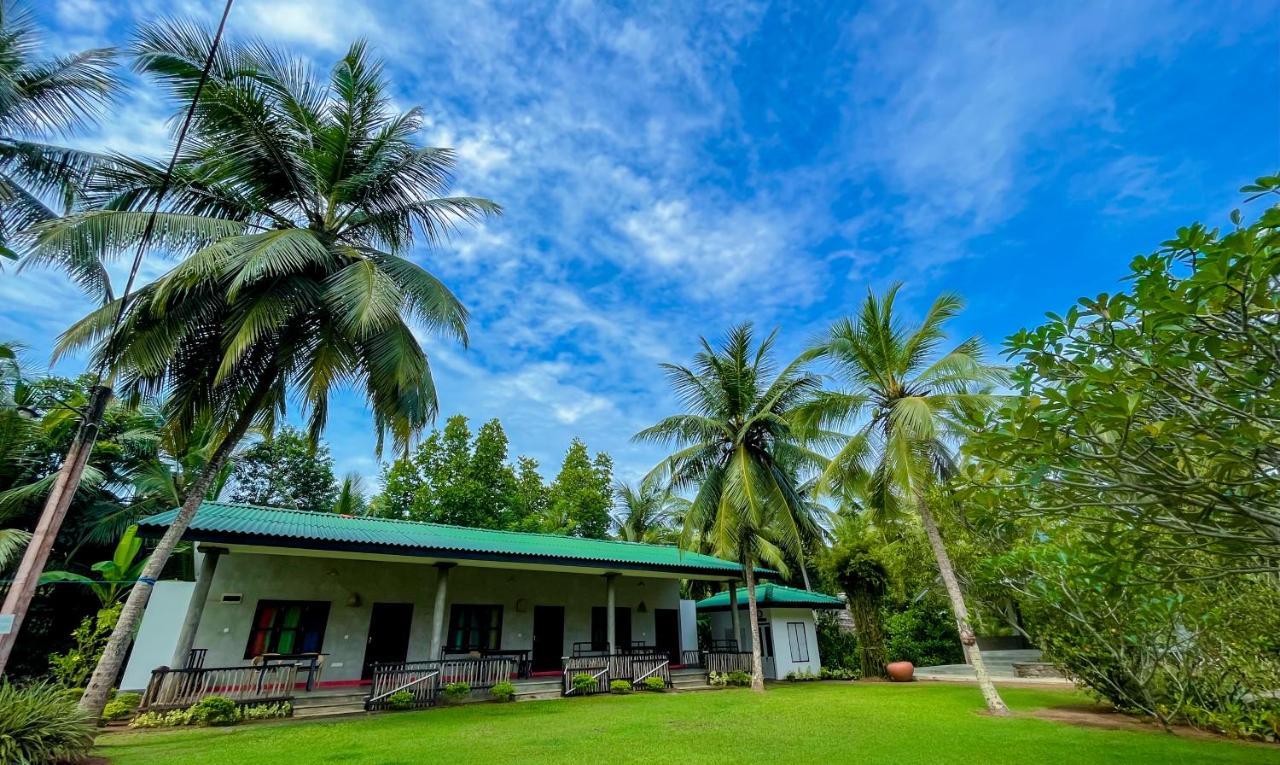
{"type": "Point", "coordinates": [655, 684]}
{"type": "Point", "coordinates": [148, 720]}
{"type": "Point", "coordinates": [717, 679]}
{"type": "Point", "coordinates": [836, 646]}
{"type": "Point", "coordinates": [838, 673]}
{"type": "Point", "coordinates": [214, 710]}
{"type": "Point", "coordinates": [503, 691]}
{"type": "Point", "coordinates": [924, 634]}
{"type": "Point", "coordinates": [803, 675]}
{"type": "Point", "coordinates": [456, 692]}
{"type": "Point", "coordinates": [582, 682]}
{"type": "Point", "coordinates": [621, 687]}
{"type": "Point", "coordinates": [267, 711]}
{"type": "Point", "coordinates": [72, 694]}
{"type": "Point", "coordinates": [74, 668]}
{"type": "Point", "coordinates": [122, 707]}
{"type": "Point", "coordinates": [400, 701]}
{"type": "Point", "coordinates": [739, 678]}
{"type": "Point", "coordinates": [38, 725]}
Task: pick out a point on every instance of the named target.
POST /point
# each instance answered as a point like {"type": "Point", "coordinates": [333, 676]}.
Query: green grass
{"type": "Point", "coordinates": [809, 722]}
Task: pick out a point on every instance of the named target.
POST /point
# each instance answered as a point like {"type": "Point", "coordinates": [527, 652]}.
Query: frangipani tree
{"type": "Point", "coordinates": [910, 401]}
{"type": "Point", "coordinates": [736, 451]}
{"type": "Point", "coordinates": [294, 204]}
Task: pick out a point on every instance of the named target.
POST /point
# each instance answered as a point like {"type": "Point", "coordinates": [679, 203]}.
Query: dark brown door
{"type": "Point", "coordinates": [388, 635]}
{"type": "Point", "coordinates": [666, 623]}
{"type": "Point", "coordinates": [548, 638]}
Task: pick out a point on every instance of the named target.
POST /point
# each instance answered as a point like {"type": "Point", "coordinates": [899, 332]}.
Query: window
{"type": "Point", "coordinates": [799, 641]}
{"type": "Point", "coordinates": [287, 626]}
{"type": "Point", "coordinates": [475, 628]}
{"type": "Point", "coordinates": [600, 627]}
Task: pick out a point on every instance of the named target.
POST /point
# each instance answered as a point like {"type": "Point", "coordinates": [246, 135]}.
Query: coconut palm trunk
{"type": "Point", "coordinates": [113, 656]}
{"type": "Point", "coordinates": [757, 662]}
{"type": "Point", "coordinates": [995, 704]}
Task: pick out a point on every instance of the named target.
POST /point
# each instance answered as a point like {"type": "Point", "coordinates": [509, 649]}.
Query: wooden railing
{"type": "Point", "coordinates": [180, 688]}
{"type": "Point", "coordinates": [425, 679]}
{"type": "Point", "coordinates": [691, 658]}
{"type": "Point", "coordinates": [633, 667]}
{"type": "Point", "coordinates": [724, 661]}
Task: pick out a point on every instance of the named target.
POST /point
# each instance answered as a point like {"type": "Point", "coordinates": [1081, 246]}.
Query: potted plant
{"type": "Point", "coordinates": [900, 671]}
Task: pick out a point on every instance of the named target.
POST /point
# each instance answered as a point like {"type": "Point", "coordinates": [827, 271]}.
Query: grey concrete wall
{"type": "Point", "coordinates": [224, 630]}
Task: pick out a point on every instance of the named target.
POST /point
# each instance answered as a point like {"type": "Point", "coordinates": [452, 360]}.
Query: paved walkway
{"type": "Point", "coordinates": [999, 664]}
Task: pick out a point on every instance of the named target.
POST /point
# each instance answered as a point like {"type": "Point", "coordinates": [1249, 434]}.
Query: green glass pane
{"type": "Point", "coordinates": [287, 640]}
{"type": "Point", "coordinates": [292, 617]}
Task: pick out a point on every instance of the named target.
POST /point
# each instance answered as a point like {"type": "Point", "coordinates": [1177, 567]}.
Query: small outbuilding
{"type": "Point", "coordinates": [788, 634]}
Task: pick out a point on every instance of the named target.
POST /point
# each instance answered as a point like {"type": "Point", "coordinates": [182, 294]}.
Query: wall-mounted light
{"type": "Point", "coordinates": [353, 600]}
{"type": "Point", "coordinates": [642, 608]}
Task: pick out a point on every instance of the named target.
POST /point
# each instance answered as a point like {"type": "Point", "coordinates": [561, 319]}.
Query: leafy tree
{"type": "Point", "coordinates": [285, 470]}
{"type": "Point", "coordinates": [290, 210]}
{"type": "Point", "coordinates": [854, 569]}
{"type": "Point", "coordinates": [39, 98]}
{"type": "Point", "coordinates": [1156, 408]}
{"type": "Point", "coordinates": [913, 405]}
{"type": "Point", "coordinates": [529, 501]}
{"type": "Point", "coordinates": [401, 482]}
{"type": "Point", "coordinates": [579, 498]}
{"type": "Point", "coordinates": [735, 448]}
{"type": "Point", "coordinates": [118, 574]}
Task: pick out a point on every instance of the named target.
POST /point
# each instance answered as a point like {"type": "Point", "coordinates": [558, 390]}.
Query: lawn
{"type": "Point", "coordinates": [813, 722]}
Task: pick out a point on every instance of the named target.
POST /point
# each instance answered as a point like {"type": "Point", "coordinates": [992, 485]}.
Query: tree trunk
{"type": "Point", "coordinates": [757, 664]}
{"type": "Point", "coordinates": [109, 666]}
{"type": "Point", "coordinates": [63, 491]}
{"type": "Point", "coordinates": [995, 704]}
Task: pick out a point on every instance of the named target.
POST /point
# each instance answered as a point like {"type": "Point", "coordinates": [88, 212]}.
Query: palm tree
{"type": "Point", "coordinates": [912, 402]}
{"type": "Point", "coordinates": [293, 204]}
{"type": "Point", "coordinates": [351, 499]}
{"type": "Point", "coordinates": [736, 449]}
{"type": "Point", "coordinates": [40, 98]}
{"type": "Point", "coordinates": [648, 511]}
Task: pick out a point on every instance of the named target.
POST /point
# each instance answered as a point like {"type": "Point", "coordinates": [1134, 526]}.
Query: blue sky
{"type": "Point", "coordinates": [669, 169]}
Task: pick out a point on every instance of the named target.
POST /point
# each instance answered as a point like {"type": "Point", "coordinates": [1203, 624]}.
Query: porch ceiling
{"type": "Point", "coordinates": [298, 532]}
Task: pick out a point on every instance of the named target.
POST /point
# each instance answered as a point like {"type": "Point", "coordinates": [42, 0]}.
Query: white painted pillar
{"type": "Point", "coordinates": [733, 610]}
{"type": "Point", "coordinates": [438, 608]}
{"type": "Point", "coordinates": [611, 618]}
{"type": "Point", "coordinates": [195, 608]}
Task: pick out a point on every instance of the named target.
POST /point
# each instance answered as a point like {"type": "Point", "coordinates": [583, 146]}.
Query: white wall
{"type": "Point", "coordinates": [158, 633]}
{"type": "Point", "coordinates": [224, 629]}
{"type": "Point", "coordinates": [779, 618]}
{"type": "Point", "coordinates": [688, 625]}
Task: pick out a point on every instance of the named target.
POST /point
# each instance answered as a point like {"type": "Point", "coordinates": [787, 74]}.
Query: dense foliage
{"type": "Point", "coordinates": [456, 478]}
{"type": "Point", "coordinates": [286, 469]}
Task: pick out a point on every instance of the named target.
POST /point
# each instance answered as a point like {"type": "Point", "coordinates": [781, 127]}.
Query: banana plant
{"type": "Point", "coordinates": [117, 575]}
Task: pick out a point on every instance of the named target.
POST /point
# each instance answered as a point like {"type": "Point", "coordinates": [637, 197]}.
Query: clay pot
{"type": "Point", "coordinates": [900, 671]}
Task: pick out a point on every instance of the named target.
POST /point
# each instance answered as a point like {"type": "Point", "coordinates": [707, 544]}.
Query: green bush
{"type": "Point", "coordinates": [214, 710]}
{"type": "Point", "coordinates": [923, 633]}
{"type": "Point", "coordinates": [803, 675]}
{"type": "Point", "coordinates": [655, 684]}
{"type": "Point", "coordinates": [838, 673]}
{"type": "Point", "coordinates": [717, 679]}
{"type": "Point", "coordinates": [122, 707]}
{"type": "Point", "coordinates": [456, 692]}
{"type": "Point", "coordinates": [503, 691]}
{"type": "Point", "coordinates": [837, 647]}
{"type": "Point", "coordinates": [400, 701]}
{"type": "Point", "coordinates": [620, 687]}
{"type": "Point", "coordinates": [738, 678]}
{"type": "Point", "coordinates": [73, 694]}
{"type": "Point", "coordinates": [39, 725]}
{"type": "Point", "coordinates": [74, 668]}
{"type": "Point", "coordinates": [267, 711]}
{"type": "Point", "coordinates": [582, 682]}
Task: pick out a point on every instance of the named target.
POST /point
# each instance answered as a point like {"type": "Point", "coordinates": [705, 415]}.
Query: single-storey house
{"type": "Point", "coordinates": [788, 635]}
{"type": "Point", "coordinates": [384, 602]}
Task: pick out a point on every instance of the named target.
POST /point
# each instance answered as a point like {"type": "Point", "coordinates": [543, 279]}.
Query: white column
{"type": "Point", "coordinates": [195, 608]}
{"type": "Point", "coordinates": [610, 618]}
{"type": "Point", "coordinates": [733, 611]}
{"type": "Point", "coordinates": [437, 609]}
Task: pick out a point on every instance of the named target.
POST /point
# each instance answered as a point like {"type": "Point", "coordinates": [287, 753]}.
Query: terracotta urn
{"type": "Point", "coordinates": [900, 671]}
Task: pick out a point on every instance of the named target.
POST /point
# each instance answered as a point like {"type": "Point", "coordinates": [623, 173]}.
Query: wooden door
{"type": "Point", "coordinates": [548, 638]}
{"type": "Point", "coordinates": [666, 625]}
{"type": "Point", "coordinates": [388, 639]}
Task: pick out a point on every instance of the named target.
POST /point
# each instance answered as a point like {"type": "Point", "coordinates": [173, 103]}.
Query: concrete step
{"type": "Point", "coordinates": [329, 710]}
{"type": "Point", "coordinates": [329, 699]}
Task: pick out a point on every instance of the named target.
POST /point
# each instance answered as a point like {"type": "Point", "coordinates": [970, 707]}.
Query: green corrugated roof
{"type": "Point", "coordinates": [772, 595]}
{"type": "Point", "coordinates": [227, 523]}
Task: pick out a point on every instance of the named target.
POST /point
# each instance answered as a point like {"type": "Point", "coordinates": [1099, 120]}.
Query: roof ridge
{"type": "Point", "coordinates": [410, 521]}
